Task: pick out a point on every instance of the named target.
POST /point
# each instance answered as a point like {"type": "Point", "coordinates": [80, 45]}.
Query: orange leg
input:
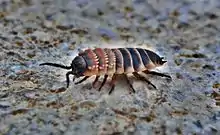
{"type": "Point", "coordinates": [85, 78]}
{"type": "Point", "coordinates": [105, 79]}
{"type": "Point", "coordinates": [113, 84]}
{"type": "Point", "coordinates": [95, 81]}
{"type": "Point", "coordinates": [129, 83]}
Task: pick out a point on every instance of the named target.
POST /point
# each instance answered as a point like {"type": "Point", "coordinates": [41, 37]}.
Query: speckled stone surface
{"type": "Point", "coordinates": [34, 100]}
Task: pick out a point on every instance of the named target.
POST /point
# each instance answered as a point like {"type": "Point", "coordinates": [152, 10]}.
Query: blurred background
{"type": "Point", "coordinates": [34, 100]}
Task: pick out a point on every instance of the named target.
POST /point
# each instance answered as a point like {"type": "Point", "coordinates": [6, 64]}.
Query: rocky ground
{"type": "Point", "coordinates": [34, 100]}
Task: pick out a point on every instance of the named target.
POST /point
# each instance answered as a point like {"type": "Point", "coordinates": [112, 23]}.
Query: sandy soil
{"type": "Point", "coordinates": [34, 99]}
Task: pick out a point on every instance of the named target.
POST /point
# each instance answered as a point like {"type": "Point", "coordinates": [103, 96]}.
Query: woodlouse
{"type": "Point", "coordinates": [112, 62]}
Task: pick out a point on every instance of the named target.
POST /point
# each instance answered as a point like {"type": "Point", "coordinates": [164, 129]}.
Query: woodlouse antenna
{"type": "Point", "coordinates": [64, 67]}
{"type": "Point", "coordinates": [56, 65]}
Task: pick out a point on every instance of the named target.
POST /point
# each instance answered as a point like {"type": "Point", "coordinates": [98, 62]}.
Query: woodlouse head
{"type": "Point", "coordinates": [78, 66]}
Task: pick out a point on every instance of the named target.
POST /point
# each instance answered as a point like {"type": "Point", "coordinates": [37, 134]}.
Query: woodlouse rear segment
{"type": "Point", "coordinates": [112, 62]}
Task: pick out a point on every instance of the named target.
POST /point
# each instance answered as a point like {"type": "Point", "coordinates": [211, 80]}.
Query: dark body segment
{"type": "Point", "coordinates": [153, 56]}
{"type": "Point", "coordinates": [127, 59]}
{"type": "Point", "coordinates": [136, 59]}
{"type": "Point", "coordinates": [87, 58]}
{"type": "Point", "coordinates": [144, 56]}
{"type": "Point", "coordinates": [119, 61]}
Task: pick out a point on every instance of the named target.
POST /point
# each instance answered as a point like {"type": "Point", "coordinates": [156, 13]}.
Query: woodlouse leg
{"type": "Point", "coordinates": [95, 81]}
{"type": "Point", "coordinates": [156, 73]}
{"type": "Point", "coordinates": [105, 78]}
{"type": "Point", "coordinates": [143, 79]}
{"type": "Point", "coordinates": [129, 83]}
{"type": "Point", "coordinates": [68, 78]}
{"type": "Point", "coordinates": [74, 78]}
{"type": "Point", "coordinates": [85, 78]}
{"type": "Point", "coordinates": [113, 84]}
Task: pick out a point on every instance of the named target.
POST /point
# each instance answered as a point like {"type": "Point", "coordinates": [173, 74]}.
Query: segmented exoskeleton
{"type": "Point", "coordinates": [112, 62]}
